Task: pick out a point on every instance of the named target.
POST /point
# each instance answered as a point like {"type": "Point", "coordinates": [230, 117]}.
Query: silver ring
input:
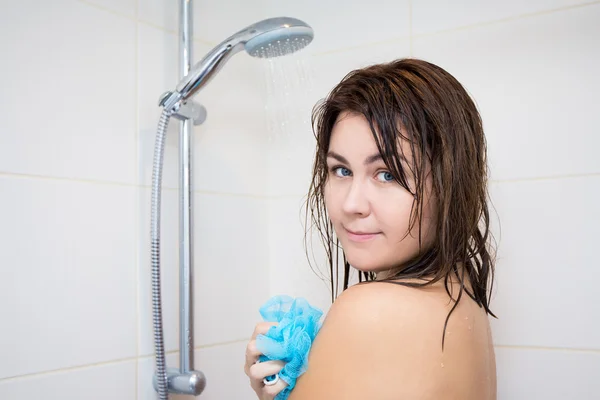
{"type": "Point", "coordinates": [271, 383]}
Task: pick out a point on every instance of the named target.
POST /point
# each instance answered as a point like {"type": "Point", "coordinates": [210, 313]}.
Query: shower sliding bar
{"type": "Point", "coordinates": [185, 380]}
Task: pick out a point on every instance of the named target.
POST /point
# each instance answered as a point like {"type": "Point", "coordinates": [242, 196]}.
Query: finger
{"type": "Point", "coordinates": [252, 354]}
{"type": "Point", "coordinates": [261, 370]}
{"type": "Point", "coordinates": [274, 390]}
{"type": "Point", "coordinates": [261, 328]}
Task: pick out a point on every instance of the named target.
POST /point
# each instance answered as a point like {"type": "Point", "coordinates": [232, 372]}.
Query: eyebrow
{"type": "Point", "coordinates": [342, 159]}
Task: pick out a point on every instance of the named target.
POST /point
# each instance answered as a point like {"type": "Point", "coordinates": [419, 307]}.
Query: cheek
{"type": "Point", "coordinates": [393, 212]}
{"type": "Point", "coordinates": [330, 204]}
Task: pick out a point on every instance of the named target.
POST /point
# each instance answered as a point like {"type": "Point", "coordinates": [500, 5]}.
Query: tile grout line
{"type": "Point", "coordinates": [65, 179]}
{"type": "Point", "coordinates": [202, 347]}
{"type": "Point", "coordinates": [141, 21]}
{"type": "Point", "coordinates": [546, 348]}
{"type": "Point", "coordinates": [68, 369]}
{"type": "Point", "coordinates": [135, 359]}
{"type": "Point", "coordinates": [260, 196]}
{"type": "Point", "coordinates": [106, 9]}
{"type": "Point", "coordinates": [411, 37]}
{"type": "Point", "coordinates": [410, 28]}
{"type": "Point", "coordinates": [490, 182]}
{"type": "Point", "coordinates": [546, 178]}
{"type": "Point", "coordinates": [506, 19]}
{"type": "Point", "coordinates": [208, 346]}
{"type": "Point", "coordinates": [137, 234]}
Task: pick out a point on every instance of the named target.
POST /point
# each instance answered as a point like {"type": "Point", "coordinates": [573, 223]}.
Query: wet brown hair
{"type": "Point", "coordinates": [415, 101]}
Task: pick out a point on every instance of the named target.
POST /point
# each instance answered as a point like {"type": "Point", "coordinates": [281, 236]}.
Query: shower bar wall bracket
{"type": "Point", "coordinates": [183, 110]}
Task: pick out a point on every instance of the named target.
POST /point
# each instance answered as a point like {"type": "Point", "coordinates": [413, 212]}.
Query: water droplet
{"type": "Point", "coordinates": [442, 365]}
{"type": "Point", "coordinates": [466, 317]}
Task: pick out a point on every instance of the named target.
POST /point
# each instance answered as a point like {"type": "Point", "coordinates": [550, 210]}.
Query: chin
{"type": "Point", "coordinates": [364, 264]}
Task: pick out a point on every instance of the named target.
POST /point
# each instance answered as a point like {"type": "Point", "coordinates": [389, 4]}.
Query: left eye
{"type": "Point", "coordinates": [385, 176]}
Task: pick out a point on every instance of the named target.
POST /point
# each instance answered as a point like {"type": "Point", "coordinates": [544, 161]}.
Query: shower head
{"type": "Point", "coordinates": [276, 37]}
{"type": "Point", "coordinates": [271, 37]}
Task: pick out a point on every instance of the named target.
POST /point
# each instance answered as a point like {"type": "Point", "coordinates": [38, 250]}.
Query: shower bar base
{"type": "Point", "coordinates": [192, 382]}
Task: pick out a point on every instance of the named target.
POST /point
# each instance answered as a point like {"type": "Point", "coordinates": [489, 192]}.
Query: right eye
{"type": "Point", "coordinates": [341, 171]}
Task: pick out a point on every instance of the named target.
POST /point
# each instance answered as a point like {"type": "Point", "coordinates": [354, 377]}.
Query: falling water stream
{"type": "Point", "coordinates": [289, 91]}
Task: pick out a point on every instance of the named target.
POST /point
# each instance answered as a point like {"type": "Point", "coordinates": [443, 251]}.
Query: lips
{"type": "Point", "coordinates": [361, 236]}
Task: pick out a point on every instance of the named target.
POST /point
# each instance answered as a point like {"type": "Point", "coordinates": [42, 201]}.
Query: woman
{"type": "Point", "coordinates": [400, 184]}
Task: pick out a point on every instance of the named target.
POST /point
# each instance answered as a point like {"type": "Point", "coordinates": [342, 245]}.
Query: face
{"type": "Point", "coordinates": [369, 209]}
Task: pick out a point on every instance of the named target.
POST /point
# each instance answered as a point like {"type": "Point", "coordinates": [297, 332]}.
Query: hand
{"type": "Point", "coordinates": [259, 371]}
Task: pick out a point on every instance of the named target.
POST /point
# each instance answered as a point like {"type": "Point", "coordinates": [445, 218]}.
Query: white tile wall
{"type": "Point", "coordinates": [437, 15]}
{"type": "Point", "coordinates": [70, 243]}
{"type": "Point", "coordinates": [348, 24]}
{"type": "Point", "coordinates": [548, 267]}
{"type": "Point", "coordinates": [535, 82]}
{"type": "Point", "coordinates": [336, 26]}
{"type": "Point", "coordinates": [69, 99]}
{"type": "Point", "coordinates": [68, 266]}
{"type": "Point", "coordinates": [525, 374]}
{"type": "Point", "coordinates": [223, 367]}
{"type": "Point", "coordinates": [231, 278]}
{"type": "Point", "coordinates": [213, 21]}
{"type": "Point", "coordinates": [115, 381]}
{"type": "Point", "coordinates": [290, 271]}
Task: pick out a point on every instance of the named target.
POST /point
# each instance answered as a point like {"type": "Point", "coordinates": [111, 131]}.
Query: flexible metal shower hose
{"type": "Point", "coordinates": [159, 147]}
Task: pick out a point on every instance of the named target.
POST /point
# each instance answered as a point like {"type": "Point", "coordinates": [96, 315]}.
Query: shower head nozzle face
{"type": "Point", "coordinates": [278, 37]}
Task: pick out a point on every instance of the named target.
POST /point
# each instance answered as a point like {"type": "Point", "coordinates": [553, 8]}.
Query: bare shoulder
{"type": "Point", "coordinates": [384, 341]}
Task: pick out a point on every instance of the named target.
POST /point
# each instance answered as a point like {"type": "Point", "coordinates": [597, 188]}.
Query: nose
{"type": "Point", "coordinates": [356, 201]}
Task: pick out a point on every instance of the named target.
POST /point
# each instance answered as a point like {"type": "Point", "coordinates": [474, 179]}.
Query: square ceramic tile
{"type": "Point", "coordinates": [229, 154]}
{"type": "Point", "coordinates": [547, 263]}
{"type": "Point", "coordinates": [525, 374]}
{"type": "Point", "coordinates": [437, 15]}
{"type": "Point", "coordinates": [536, 85]}
{"type": "Point", "coordinates": [68, 267]}
{"type": "Point", "coordinates": [223, 367]}
{"type": "Point", "coordinates": [348, 24]}
{"type": "Point", "coordinates": [125, 7]}
{"type": "Point", "coordinates": [231, 278]}
{"type": "Point", "coordinates": [110, 381]}
{"type": "Point", "coordinates": [71, 111]}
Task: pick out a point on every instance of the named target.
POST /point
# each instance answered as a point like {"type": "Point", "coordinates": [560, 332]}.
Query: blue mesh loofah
{"type": "Point", "coordinates": [291, 339]}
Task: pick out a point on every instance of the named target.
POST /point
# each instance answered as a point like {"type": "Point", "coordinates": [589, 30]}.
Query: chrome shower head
{"type": "Point", "coordinates": [271, 37]}
{"type": "Point", "coordinates": [278, 37]}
